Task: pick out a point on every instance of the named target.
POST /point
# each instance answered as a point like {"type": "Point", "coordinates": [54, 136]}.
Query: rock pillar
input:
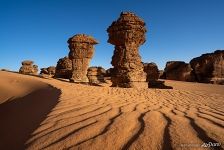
{"type": "Point", "coordinates": [127, 34]}
{"type": "Point", "coordinates": [81, 52]}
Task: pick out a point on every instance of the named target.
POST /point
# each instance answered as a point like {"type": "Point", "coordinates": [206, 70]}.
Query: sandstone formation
{"type": "Point", "coordinates": [108, 72]}
{"type": "Point", "coordinates": [161, 74]}
{"type": "Point", "coordinates": [50, 71]}
{"type": "Point", "coordinates": [209, 68]}
{"type": "Point", "coordinates": [178, 70]}
{"type": "Point", "coordinates": [152, 71]}
{"type": "Point", "coordinates": [28, 68]}
{"type": "Point", "coordinates": [127, 34]}
{"type": "Point", "coordinates": [64, 68]}
{"type": "Point", "coordinates": [81, 52]}
{"type": "Point", "coordinates": [43, 71]}
{"type": "Point", "coordinates": [96, 74]}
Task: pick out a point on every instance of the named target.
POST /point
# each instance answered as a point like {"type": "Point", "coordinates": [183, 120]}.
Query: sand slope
{"type": "Point", "coordinates": [101, 117]}
{"type": "Point", "coordinates": [27, 107]}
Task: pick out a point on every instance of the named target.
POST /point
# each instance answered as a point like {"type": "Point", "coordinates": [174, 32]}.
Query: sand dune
{"type": "Point", "coordinates": [102, 117]}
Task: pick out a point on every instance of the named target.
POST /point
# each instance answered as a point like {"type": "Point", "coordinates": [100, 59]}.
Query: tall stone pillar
{"type": "Point", "coordinates": [127, 34]}
{"type": "Point", "coordinates": [81, 52]}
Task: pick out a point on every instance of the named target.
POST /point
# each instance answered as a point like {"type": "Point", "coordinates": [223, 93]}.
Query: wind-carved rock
{"type": "Point", "coordinates": [48, 72]}
{"type": "Point", "coordinates": [28, 68]}
{"type": "Point", "coordinates": [127, 34]}
{"type": "Point", "coordinates": [209, 68]}
{"type": "Point", "coordinates": [179, 70]}
{"type": "Point", "coordinates": [96, 74]}
{"type": "Point", "coordinates": [64, 68]}
{"type": "Point", "coordinates": [81, 52]}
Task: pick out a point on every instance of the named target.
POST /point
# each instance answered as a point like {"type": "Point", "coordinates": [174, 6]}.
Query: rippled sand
{"type": "Point", "coordinates": [101, 117]}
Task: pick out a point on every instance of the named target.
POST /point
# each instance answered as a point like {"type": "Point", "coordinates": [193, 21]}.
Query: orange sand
{"type": "Point", "coordinates": [51, 114]}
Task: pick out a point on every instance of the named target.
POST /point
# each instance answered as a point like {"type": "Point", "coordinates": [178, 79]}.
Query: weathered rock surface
{"type": "Point", "coordinates": [209, 68]}
{"type": "Point", "coordinates": [64, 68]}
{"type": "Point", "coordinates": [43, 71]}
{"type": "Point", "coordinates": [109, 72]}
{"type": "Point", "coordinates": [81, 52]}
{"type": "Point", "coordinates": [179, 70]}
{"type": "Point", "coordinates": [152, 71]}
{"type": "Point", "coordinates": [28, 68]}
{"type": "Point", "coordinates": [96, 74]}
{"type": "Point", "coordinates": [50, 71]}
{"type": "Point", "coordinates": [127, 34]}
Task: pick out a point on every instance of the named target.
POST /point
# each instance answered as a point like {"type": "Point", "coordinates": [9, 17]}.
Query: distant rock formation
{"type": "Point", "coordinates": [64, 68]}
{"type": "Point", "coordinates": [108, 72]}
{"type": "Point", "coordinates": [178, 70]}
{"type": "Point", "coordinates": [209, 68]}
{"type": "Point", "coordinates": [28, 68]}
{"type": "Point", "coordinates": [127, 34]}
{"type": "Point", "coordinates": [50, 71]}
{"type": "Point", "coordinates": [96, 74]}
{"type": "Point", "coordinates": [81, 52]}
{"type": "Point", "coordinates": [152, 71]}
{"type": "Point", "coordinates": [162, 74]}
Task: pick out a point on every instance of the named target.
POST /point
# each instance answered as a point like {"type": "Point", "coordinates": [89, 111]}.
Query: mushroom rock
{"type": "Point", "coordinates": [64, 68]}
{"type": "Point", "coordinates": [96, 74]}
{"type": "Point", "coordinates": [28, 68]}
{"type": "Point", "coordinates": [179, 70]}
{"type": "Point", "coordinates": [127, 34]}
{"type": "Point", "coordinates": [81, 52]}
{"type": "Point", "coordinates": [209, 68]}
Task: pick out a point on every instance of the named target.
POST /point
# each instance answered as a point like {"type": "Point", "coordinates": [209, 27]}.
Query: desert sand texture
{"type": "Point", "coordinates": [38, 113]}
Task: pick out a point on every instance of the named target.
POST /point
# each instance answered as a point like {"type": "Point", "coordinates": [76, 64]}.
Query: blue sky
{"type": "Point", "coordinates": [39, 29]}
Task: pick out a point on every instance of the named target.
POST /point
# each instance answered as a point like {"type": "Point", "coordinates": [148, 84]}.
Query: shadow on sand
{"type": "Point", "coordinates": [20, 117]}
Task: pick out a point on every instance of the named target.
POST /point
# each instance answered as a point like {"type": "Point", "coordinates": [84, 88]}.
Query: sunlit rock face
{"type": "Point", "coordinates": [209, 68]}
{"type": "Point", "coordinates": [81, 52]}
{"type": "Point", "coordinates": [28, 68]}
{"type": "Point", "coordinates": [127, 34]}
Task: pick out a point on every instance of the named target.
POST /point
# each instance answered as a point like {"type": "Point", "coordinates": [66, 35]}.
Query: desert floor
{"type": "Point", "coordinates": [37, 113]}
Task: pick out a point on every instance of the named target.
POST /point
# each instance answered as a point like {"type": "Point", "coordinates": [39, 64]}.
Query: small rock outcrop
{"type": "Point", "coordinates": [179, 70]}
{"type": "Point", "coordinates": [28, 68]}
{"type": "Point", "coordinates": [50, 71]}
{"type": "Point", "coordinates": [109, 72]}
{"type": "Point", "coordinates": [152, 71]}
{"type": "Point", "coordinates": [127, 34]}
{"type": "Point", "coordinates": [64, 68]}
{"type": "Point", "coordinates": [209, 68]}
{"type": "Point", "coordinates": [96, 74]}
{"type": "Point", "coordinates": [81, 52]}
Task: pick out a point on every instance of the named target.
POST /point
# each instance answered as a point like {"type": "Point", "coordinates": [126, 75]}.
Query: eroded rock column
{"type": "Point", "coordinates": [127, 34]}
{"type": "Point", "coordinates": [81, 52]}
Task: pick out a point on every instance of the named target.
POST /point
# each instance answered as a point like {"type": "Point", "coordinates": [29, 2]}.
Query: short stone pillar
{"type": "Point", "coordinates": [127, 34]}
{"type": "Point", "coordinates": [28, 68]}
{"type": "Point", "coordinates": [96, 75]}
{"type": "Point", "coordinates": [81, 52]}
